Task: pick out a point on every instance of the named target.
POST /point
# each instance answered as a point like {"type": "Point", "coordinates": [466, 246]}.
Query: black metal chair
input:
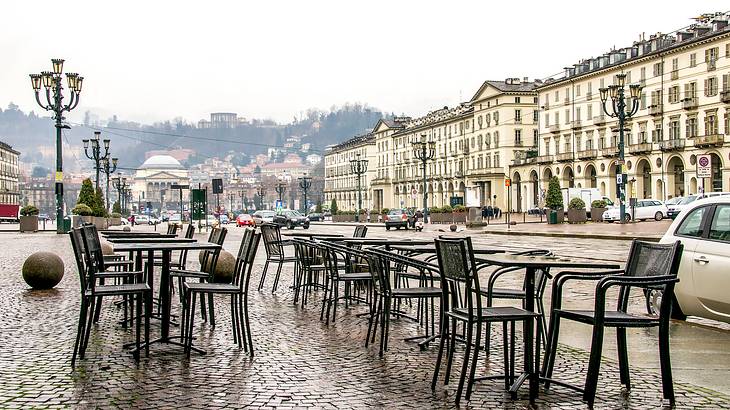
{"type": "Point", "coordinates": [238, 290]}
{"type": "Point", "coordinates": [309, 265]}
{"type": "Point", "coordinates": [206, 273]}
{"type": "Point", "coordinates": [275, 252]}
{"type": "Point", "coordinates": [172, 229]}
{"type": "Point", "coordinates": [341, 268]}
{"type": "Point", "coordinates": [360, 231]}
{"type": "Point", "coordinates": [462, 303]}
{"type": "Point", "coordinates": [649, 266]}
{"type": "Point", "coordinates": [90, 263]}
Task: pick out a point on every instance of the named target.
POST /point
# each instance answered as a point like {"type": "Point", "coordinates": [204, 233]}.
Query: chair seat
{"type": "Point", "coordinates": [115, 263]}
{"type": "Point", "coordinates": [189, 273]}
{"type": "Point", "coordinates": [283, 259]}
{"type": "Point", "coordinates": [504, 293]}
{"type": "Point", "coordinates": [212, 287]}
{"type": "Point", "coordinates": [117, 274]}
{"type": "Point", "coordinates": [612, 318]}
{"type": "Point", "coordinates": [109, 290]}
{"type": "Point", "coordinates": [355, 276]}
{"type": "Point", "coordinates": [173, 265]}
{"type": "Point", "coordinates": [493, 314]}
{"type": "Point", "coordinates": [416, 292]}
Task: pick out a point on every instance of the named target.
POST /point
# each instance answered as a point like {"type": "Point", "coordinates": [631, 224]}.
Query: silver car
{"type": "Point", "coordinates": [260, 217]}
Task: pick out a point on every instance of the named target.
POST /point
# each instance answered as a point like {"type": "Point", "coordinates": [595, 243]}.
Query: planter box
{"type": "Point", "coordinates": [577, 216]}
{"type": "Point", "coordinates": [100, 222]}
{"type": "Point", "coordinates": [115, 221]}
{"type": "Point", "coordinates": [458, 217]}
{"type": "Point", "coordinates": [597, 214]}
{"type": "Point", "coordinates": [29, 223]}
{"type": "Point", "coordinates": [343, 218]}
{"type": "Point", "coordinates": [440, 217]}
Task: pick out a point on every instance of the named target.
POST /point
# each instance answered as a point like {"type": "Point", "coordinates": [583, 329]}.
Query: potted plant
{"type": "Point", "coordinates": [577, 211]}
{"type": "Point", "coordinates": [83, 212]}
{"type": "Point", "coordinates": [29, 219]}
{"type": "Point", "coordinates": [459, 214]}
{"type": "Point", "coordinates": [598, 207]}
{"type": "Point", "coordinates": [554, 200]}
{"type": "Point", "coordinates": [99, 211]}
{"type": "Point", "coordinates": [115, 219]}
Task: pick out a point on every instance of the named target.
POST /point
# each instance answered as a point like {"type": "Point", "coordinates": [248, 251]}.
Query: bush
{"type": "Point", "coordinates": [116, 208]}
{"type": "Point", "coordinates": [318, 208]}
{"type": "Point", "coordinates": [82, 210]}
{"type": "Point", "coordinates": [598, 203]}
{"type": "Point", "coordinates": [577, 203]}
{"type": "Point", "coordinates": [447, 209]}
{"type": "Point", "coordinates": [363, 211]}
{"type": "Point", "coordinates": [384, 211]}
{"type": "Point", "coordinates": [459, 208]}
{"type": "Point", "coordinates": [333, 207]}
{"type": "Point", "coordinates": [115, 215]}
{"type": "Point", "coordinates": [554, 198]}
{"type": "Point", "coordinates": [29, 210]}
{"type": "Point", "coordinates": [98, 207]}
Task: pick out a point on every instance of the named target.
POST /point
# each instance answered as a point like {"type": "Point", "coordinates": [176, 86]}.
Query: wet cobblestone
{"type": "Point", "coordinates": [299, 362]}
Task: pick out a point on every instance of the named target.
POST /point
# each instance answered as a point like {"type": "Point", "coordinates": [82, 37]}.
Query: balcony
{"type": "Point", "coordinates": [518, 120]}
{"type": "Point", "coordinates": [544, 159]}
{"type": "Point", "coordinates": [640, 148]}
{"type": "Point", "coordinates": [725, 96]}
{"type": "Point", "coordinates": [671, 145]}
{"type": "Point", "coordinates": [706, 141]}
{"type": "Point", "coordinates": [711, 65]}
{"type": "Point", "coordinates": [566, 101]}
{"type": "Point", "coordinates": [555, 129]}
{"type": "Point", "coordinates": [458, 174]}
{"type": "Point", "coordinates": [656, 109]}
{"type": "Point", "coordinates": [442, 155]}
{"type": "Point", "coordinates": [589, 96]}
{"type": "Point", "coordinates": [587, 154]}
{"type": "Point", "coordinates": [546, 106]}
{"type": "Point", "coordinates": [609, 152]}
{"type": "Point", "coordinates": [466, 149]}
{"type": "Point", "coordinates": [518, 143]}
{"type": "Point", "coordinates": [577, 124]}
{"type": "Point", "coordinates": [599, 119]}
{"type": "Point", "coordinates": [564, 157]}
{"type": "Point", "coordinates": [381, 181]}
{"type": "Point", "coordinates": [690, 103]}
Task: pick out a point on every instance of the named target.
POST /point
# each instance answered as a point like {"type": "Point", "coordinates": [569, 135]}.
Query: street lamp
{"type": "Point", "coordinates": [358, 167]}
{"type": "Point", "coordinates": [109, 169]}
{"type": "Point", "coordinates": [305, 183]}
{"type": "Point", "coordinates": [53, 84]}
{"type": "Point", "coordinates": [623, 111]}
{"type": "Point", "coordinates": [96, 154]}
{"type": "Point", "coordinates": [424, 150]}
{"type": "Point", "coordinates": [280, 189]}
{"type": "Point", "coordinates": [120, 184]}
{"type": "Point", "coordinates": [261, 191]}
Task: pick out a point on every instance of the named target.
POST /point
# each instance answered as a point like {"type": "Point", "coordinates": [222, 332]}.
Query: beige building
{"type": "Point", "coordinates": [683, 112]}
{"type": "Point", "coordinates": [9, 173]}
{"type": "Point", "coordinates": [153, 180]}
{"type": "Point", "coordinates": [340, 182]}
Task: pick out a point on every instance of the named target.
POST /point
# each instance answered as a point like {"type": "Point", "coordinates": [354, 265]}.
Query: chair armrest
{"type": "Point", "coordinates": [621, 280]}
{"type": "Point", "coordinates": [564, 276]}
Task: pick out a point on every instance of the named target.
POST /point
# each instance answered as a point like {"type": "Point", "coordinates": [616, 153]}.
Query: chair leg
{"type": "Point", "coordinates": [508, 371]}
{"type": "Point", "coordinates": [594, 365]}
{"type": "Point", "coordinates": [623, 357]}
{"type": "Point", "coordinates": [211, 310]}
{"type": "Point", "coordinates": [666, 363]}
{"type": "Point", "coordinates": [276, 278]}
{"type": "Point", "coordinates": [452, 348]}
{"type": "Point", "coordinates": [138, 303]}
{"type": "Point", "coordinates": [465, 365]}
{"type": "Point", "coordinates": [192, 321]}
{"type": "Point", "coordinates": [234, 322]}
{"type": "Point", "coordinates": [442, 344]}
{"type": "Point", "coordinates": [383, 312]}
{"type": "Point", "coordinates": [472, 372]}
{"type": "Point", "coordinates": [552, 345]}
{"type": "Point", "coordinates": [148, 313]}
{"type": "Point", "coordinates": [89, 323]}
{"type": "Point", "coordinates": [324, 298]}
{"type": "Point", "coordinates": [263, 275]}
{"type": "Point", "coordinates": [203, 310]}
{"type": "Point", "coordinates": [80, 331]}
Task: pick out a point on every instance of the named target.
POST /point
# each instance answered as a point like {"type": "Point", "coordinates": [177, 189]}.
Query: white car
{"type": "Point", "coordinates": [260, 217]}
{"type": "Point", "coordinates": [644, 209]}
{"type": "Point", "coordinates": [704, 271]}
{"type": "Point", "coordinates": [141, 220]}
{"type": "Point", "coordinates": [675, 209]}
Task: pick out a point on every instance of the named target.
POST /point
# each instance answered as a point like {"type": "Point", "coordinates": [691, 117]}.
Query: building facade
{"type": "Point", "coordinates": [341, 183]}
{"type": "Point", "coordinates": [683, 112]}
{"type": "Point", "coordinates": [153, 180]}
{"type": "Point", "coordinates": [9, 174]}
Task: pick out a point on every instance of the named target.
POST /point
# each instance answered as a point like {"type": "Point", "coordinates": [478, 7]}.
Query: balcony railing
{"type": "Point", "coordinates": [690, 103]}
{"type": "Point", "coordinates": [599, 119]}
{"type": "Point", "coordinates": [577, 124]}
{"type": "Point", "coordinates": [589, 96]}
{"type": "Point", "coordinates": [640, 148]}
{"type": "Point", "coordinates": [442, 155]}
{"type": "Point", "coordinates": [711, 140]}
{"type": "Point", "coordinates": [725, 96]}
{"type": "Point", "coordinates": [458, 174]}
{"type": "Point", "coordinates": [543, 159]}
{"type": "Point", "coordinates": [518, 143]}
{"type": "Point", "coordinates": [587, 154]}
{"type": "Point", "coordinates": [546, 106]}
{"type": "Point", "coordinates": [564, 157]}
{"type": "Point", "coordinates": [466, 149]}
{"type": "Point", "coordinates": [566, 100]}
{"type": "Point", "coordinates": [671, 144]}
{"type": "Point", "coordinates": [609, 152]}
{"type": "Point", "coordinates": [381, 180]}
{"type": "Point", "coordinates": [656, 109]}
{"type": "Point", "coordinates": [711, 65]}
{"type": "Point", "coordinates": [555, 129]}
{"type": "Point", "coordinates": [518, 120]}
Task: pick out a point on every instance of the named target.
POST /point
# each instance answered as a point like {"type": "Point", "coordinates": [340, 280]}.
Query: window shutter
{"type": "Point", "coordinates": [725, 78]}
{"type": "Point", "coordinates": [707, 87]}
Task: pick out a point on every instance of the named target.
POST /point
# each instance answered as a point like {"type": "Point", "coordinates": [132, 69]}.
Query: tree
{"type": "Point", "coordinates": [99, 208]}
{"type": "Point", "coordinates": [116, 208]}
{"type": "Point", "coordinates": [333, 206]}
{"type": "Point", "coordinates": [86, 194]}
{"type": "Point", "coordinates": [554, 199]}
{"type": "Point", "coordinates": [40, 172]}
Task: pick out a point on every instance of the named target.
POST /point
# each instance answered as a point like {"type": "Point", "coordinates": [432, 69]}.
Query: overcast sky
{"type": "Point", "coordinates": [154, 60]}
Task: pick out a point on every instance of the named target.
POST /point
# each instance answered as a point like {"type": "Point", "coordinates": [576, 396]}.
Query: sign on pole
{"type": "Point", "coordinates": [507, 182]}
{"type": "Point", "coordinates": [704, 166]}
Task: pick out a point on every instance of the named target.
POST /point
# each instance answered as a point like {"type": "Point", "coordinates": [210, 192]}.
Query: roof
{"type": "Point", "coordinates": [522, 87]}
{"type": "Point", "coordinates": [365, 139]}
{"type": "Point", "coordinates": [8, 148]}
{"type": "Point", "coordinates": [161, 162]}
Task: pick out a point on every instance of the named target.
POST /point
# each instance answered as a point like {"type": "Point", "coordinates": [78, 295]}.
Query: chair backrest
{"type": "Point", "coordinates": [245, 258]}
{"type": "Point", "coordinates": [541, 276]}
{"type": "Point", "coordinates": [94, 256]}
{"type": "Point", "coordinates": [171, 229]}
{"type": "Point", "coordinates": [457, 267]}
{"type": "Point", "coordinates": [305, 251]}
{"type": "Point", "coordinates": [78, 248]}
{"type": "Point", "coordinates": [183, 260]}
{"type": "Point", "coordinates": [272, 239]}
{"type": "Point", "coordinates": [210, 258]}
{"type": "Point", "coordinates": [647, 259]}
{"type": "Point", "coordinates": [360, 231]}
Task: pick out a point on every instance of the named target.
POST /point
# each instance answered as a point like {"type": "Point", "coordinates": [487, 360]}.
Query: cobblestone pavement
{"type": "Point", "coordinates": [299, 362]}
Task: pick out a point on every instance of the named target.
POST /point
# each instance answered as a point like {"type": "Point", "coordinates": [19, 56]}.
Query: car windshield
{"type": "Point", "coordinates": [292, 213]}
{"type": "Point", "coordinates": [674, 201]}
{"type": "Point", "coordinates": [396, 212]}
{"type": "Point", "coordinates": [175, 218]}
{"type": "Point", "coordinates": [688, 200]}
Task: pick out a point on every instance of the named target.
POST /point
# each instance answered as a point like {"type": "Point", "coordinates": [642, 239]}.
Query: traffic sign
{"type": "Point", "coordinates": [704, 166]}
{"type": "Point", "coordinates": [507, 182]}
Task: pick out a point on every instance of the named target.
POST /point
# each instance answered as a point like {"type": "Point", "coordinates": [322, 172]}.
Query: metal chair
{"type": "Point", "coordinates": [360, 231]}
{"type": "Point", "coordinates": [238, 290]}
{"type": "Point", "coordinates": [172, 229]}
{"type": "Point", "coordinates": [274, 246]}
{"type": "Point", "coordinates": [649, 266]}
{"type": "Point", "coordinates": [462, 303]}
{"type": "Point", "coordinates": [310, 264]}
{"type": "Point", "coordinates": [340, 265]}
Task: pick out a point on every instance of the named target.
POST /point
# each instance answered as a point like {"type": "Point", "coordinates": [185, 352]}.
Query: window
{"type": "Point", "coordinates": [642, 73]}
{"type": "Point", "coordinates": [496, 159]}
{"type": "Point", "coordinates": [675, 69]}
{"type": "Point", "coordinates": [534, 137]}
{"type": "Point", "coordinates": [577, 114]}
{"type": "Point", "coordinates": [711, 56]}
{"type": "Point", "coordinates": [496, 118]}
{"type": "Point", "coordinates": [547, 119]}
{"type": "Point", "coordinates": [674, 133]}
{"type": "Point", "coordinates": [518, 116]}
{"type": "Point", "coordinates": [658, 69]}
{"type": "Point", "coordinates": [590, 88]}
{"type": "Point", "coordinates": [557, 96]}
{"type": "Point", "coordinates": [691, 127]}
{"type": "Point", "coordinates": [720, 227]}
{"type": "Point", "coordinates": [690, 90]}
{"type": "Point", "coordinates": [557, 118]}
{"type": "Point", "coordinates": [693, 60]}
{"type": "Point", "coordinates": [577, 90]}
{"type": "Point", "coordinates": [534, 116]}
{"type": "Point", "coordinates": [673, 94]}
{"type": "Point", "coordinates": [711, 125]}
{"type": "Point", "coordinates": [692, 224]}
{"type": "Point", "coordinates": [567, 116]}
{"type": "Point", "coordinates": [517, 100]}
{"type": "Point", "coordinates": [518, 137]}
{"type": "Point", "coordinates": [496, 139]}
{"type": "Point", "coordinates": [711, 87]}
{"type": "Point", "coordinates": [589, 111]}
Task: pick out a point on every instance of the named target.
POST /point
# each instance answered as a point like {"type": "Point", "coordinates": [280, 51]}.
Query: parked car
{"type": "Point", "coordinates": [260, 217]}
{"type": "Point", "coordinates": [245, 220]}
{"type": "Point", "coordinates": [212, 221]}
{"type": "Point", "coordinates": [673, 201]}
{"type": "Point", "coordinates": [141, 220]}
{"type": "Point", "coordinates": [399, 218]}
{"type": "Point", "coordinates": [223, 218]}
{"type": "Point", "coordinates": [703, 227]}
{"type": "Point", "coordinates": [125, 221]}
{"type": "Point", "coordinates": [644, 209]}
{"type": "Point", "coordinates": [291, 218]}
{"type": "Point", "coordinates": [154, 220]}
{"type": "Point", "coordinates": [165, 217]}
{"type": "Point", "coordinates": [315, 216]}
{"type": "Point", "coordinates": [675, 209]}
{"type": "Point", "coordinates": [175, 219]}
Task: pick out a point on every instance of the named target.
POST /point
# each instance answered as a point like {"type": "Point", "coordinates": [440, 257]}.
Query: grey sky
{"type": "Point", "coordinates": [154, 60]}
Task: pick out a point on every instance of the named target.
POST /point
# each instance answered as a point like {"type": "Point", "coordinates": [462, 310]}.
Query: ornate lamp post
{"type": "Point", "coordinates": [280, 189]}
{"type": "Point", "coordinates": [424, 151]}
{"type": "Point", "coordinates": [261, 191]}
{"type": "Point", "coordinates": [358, 167]}
{"type": "Point", "coordinates": [120, 184]}
{"type": "Point", "coordinates": [622, 110]}
{"type": "Point", "coordinates": [96, 154]}
{"type": "Point", "coordinates": [109, 169]}
{"type": "Point", "coordinates": [305, 183]}
{"type": "Point", "coordinates": [52, 82]}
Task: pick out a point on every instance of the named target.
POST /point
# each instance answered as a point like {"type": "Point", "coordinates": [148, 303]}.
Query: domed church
{"type": "Point", "coordinates": [153, 180]}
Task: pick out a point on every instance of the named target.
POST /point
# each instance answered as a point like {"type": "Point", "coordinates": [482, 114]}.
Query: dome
{"type": "Point", "coordinates": [161, 162]}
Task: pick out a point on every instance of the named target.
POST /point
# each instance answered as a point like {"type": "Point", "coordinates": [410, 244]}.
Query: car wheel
{"type": "Point", "coordinates": [627, 218]}
{"type": "Point", "coordinates": [306, 226]}
{"type": "Point", "coordinates": [654, 302]}
{"type": "Point", "coordinates": [658, 216]}
{"type": "Point", "coordinates": [387, 228]}
{"type": "Point", "coordinates": [406, 226]}
{"type": "Point", "coordinates": [290, 225]}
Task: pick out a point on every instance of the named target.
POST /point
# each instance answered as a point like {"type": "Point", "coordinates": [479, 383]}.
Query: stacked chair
{"type": "Point", "coordinates": [275, 252]}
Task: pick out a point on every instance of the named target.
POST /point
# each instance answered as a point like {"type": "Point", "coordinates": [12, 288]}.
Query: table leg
{"type": "Point", "coordinates": [528, 334]}
{"type": "Point", "coordinates": [165, 293]}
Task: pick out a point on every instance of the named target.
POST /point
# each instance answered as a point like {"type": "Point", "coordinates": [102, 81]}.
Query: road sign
{"type": "Point", "coordinates": [217, 186]}
{"type": "Point", "coordinates": [414, 193]}
{"type": "Point", "coordinates": [507, 182]}
{"type": "Point", "coordinates": [198, 204]}
{"type": "Point", "coordinates": [177, 186]}
{"type": "Point", "coordinates": [704, 166]}
{"type": "Point", "coordinates": [279, 205]}
{"type": "Point", "coordinates": [619, 178]}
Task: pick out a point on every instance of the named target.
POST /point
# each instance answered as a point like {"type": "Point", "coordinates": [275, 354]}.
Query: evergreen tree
{"type": "Point", "coordinates": [116, 208]}
{"type": "Point", "coordinates": [86, 194]}
{"type": "Point", "coordinates": [333, 206]}
{"type": "Point", "coordinates": [99, 208]}
{"type": "Point", "coordinates": [554, 199]}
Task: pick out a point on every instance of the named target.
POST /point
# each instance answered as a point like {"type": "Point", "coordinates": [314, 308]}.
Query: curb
{"type": "Point", "coordinates": [577, 236]}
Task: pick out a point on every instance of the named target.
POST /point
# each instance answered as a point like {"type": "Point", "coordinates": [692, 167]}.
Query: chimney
{"type": "Point", "coordinates": [525, 80]}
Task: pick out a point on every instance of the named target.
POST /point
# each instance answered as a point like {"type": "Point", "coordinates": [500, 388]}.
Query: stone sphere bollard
{"type": "Point", "coordinates": [127, 229]}
{"type": "Point", "coordinates": [107, 248]}
{"type": "Point", "coordinates": [43, 270]}
{"type": "Point", "coordinates": [224, 267]}
{"type": "Point", "coordinates": [452, 227]}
